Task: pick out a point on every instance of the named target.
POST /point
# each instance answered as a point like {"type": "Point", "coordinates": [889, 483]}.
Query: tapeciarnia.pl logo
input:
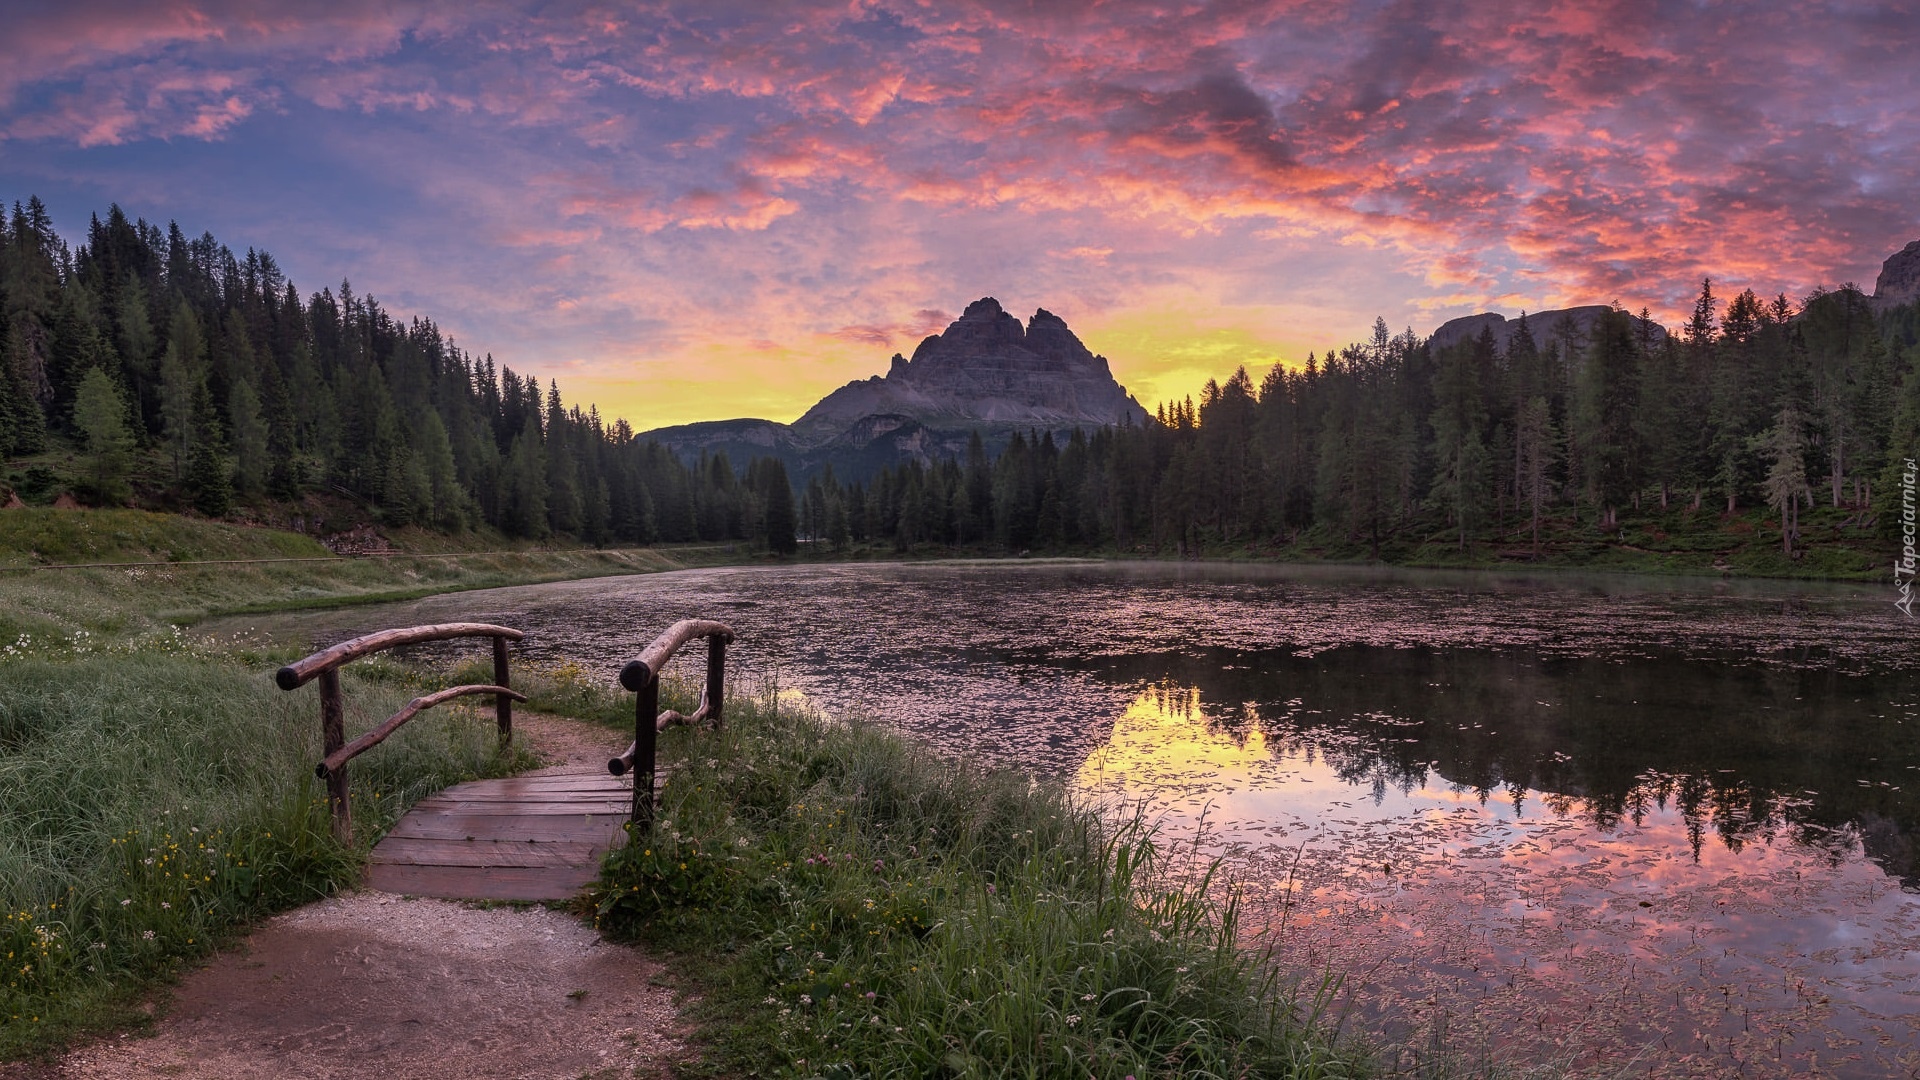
{"type": "Point", "coordinates": [1903, 567]}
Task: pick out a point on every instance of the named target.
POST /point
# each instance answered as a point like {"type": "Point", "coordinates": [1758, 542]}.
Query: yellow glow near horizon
{"type": "Point", "coordinates": [1167, 354]}
{"type": "Point", "coordinates": [1160, 354]}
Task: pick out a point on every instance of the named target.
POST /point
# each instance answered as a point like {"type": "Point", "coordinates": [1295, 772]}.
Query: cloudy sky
{"type": "Point", "coordinates": [729, 207]}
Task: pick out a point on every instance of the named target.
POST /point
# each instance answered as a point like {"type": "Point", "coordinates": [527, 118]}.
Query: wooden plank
{"type": "Point", "coordinates": [530, 798]}
{"type": "Point", "coordinates": [605, 829]}
{"type": "Point", "coordinates": [476, 883]}
{"type": "Point", "coordinates": [599, 776]}
{"type": "Point", "coordinates": [522, 838]}
{"type": "Point", "coordinates": [578, 808]}
{"type": "Point", "coordinates": [414, 851]}
{"type": "Point", "coordinates": [558, 783]}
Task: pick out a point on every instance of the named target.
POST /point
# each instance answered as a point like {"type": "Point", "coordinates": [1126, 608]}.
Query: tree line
{"type": "Point", "coordinates": [205, 377]}
{"type": "Point", "coordinates": [1759, 402]}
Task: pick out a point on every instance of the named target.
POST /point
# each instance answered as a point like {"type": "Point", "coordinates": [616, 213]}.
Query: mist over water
{"type": "Point", "coordinates": [1592, 819]}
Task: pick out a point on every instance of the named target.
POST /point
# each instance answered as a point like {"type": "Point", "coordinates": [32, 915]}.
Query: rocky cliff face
{"type": "Point", "coordinates": [985, 373]}
{"type": "Point", "coordinates": [1543, 325]}
{"type": "Point", "coordinates": [986, 368]}
{"type": "Point", "coordinates": [1899, 281]}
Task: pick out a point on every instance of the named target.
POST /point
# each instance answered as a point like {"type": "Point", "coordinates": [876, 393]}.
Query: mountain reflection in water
{"type": "Point", "coordinates": [1739, 754]}
{"type": "Point", "coordinates": [1700, 924]}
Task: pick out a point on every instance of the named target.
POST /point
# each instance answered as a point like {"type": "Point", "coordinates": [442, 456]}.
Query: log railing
{"type": "Point", "coordinates": [325, 666]}
{"type": "Point", "coordinates": [642, 676]}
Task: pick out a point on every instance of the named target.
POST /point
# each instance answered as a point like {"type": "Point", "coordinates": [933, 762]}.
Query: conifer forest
{"type": "Point", "coordinates": [169, 372]}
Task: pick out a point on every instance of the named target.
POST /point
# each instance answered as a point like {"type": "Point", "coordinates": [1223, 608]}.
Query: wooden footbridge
{"type": "Point", "coordinates": [534, 837]}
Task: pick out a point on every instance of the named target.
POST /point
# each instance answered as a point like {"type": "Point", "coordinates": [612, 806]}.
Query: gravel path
{"type": "Point", "coordinates": [373, 985]}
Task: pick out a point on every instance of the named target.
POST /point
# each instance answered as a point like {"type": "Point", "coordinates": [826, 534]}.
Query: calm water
{"type": "Point", "coordinates": [1606, 821]}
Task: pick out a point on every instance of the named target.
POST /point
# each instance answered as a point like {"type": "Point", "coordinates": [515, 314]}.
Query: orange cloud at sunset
{"type": "Point", "coordinates": [734, 208]}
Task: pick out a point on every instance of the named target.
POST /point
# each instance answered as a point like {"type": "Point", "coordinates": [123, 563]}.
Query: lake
{"type": "Point", "coordinates": [1665, 825]}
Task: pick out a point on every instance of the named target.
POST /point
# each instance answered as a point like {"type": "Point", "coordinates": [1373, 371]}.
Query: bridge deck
{"type": "Point", "coordinates": [537, 837]}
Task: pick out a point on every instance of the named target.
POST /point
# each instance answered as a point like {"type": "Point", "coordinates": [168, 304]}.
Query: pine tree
{"type": "Point", "coordinates": [1783, 448]}
{"type": "Point", "coordinates": [100, 416]}
{"type": "Point", "coordinates": [524, 482]}
{"type": "Point", "coordinates": [182, 376]}
{"type": "Point", "coordinates": [251, 458]}
{"type": "Point", "coordinates": [1535, 442]}
{"type": "Point", "coordinates": [209, 478]}
{"type": "Point", "coordinates": [1608, 392]}
{"type": "Point", "coordinates": [780, 521]}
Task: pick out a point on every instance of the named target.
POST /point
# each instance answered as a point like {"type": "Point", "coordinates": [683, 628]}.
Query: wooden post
{"type": "Point", "coordinates": [502, 704]}
{"type": "Point", "coordinates": [333, 735]}
{"type": "Point", "coordinates": [646, 712]}
{"type": "Point", "coordinates": [716, 676]}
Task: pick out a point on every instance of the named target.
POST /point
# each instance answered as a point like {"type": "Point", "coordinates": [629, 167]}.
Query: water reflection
{"type": "Point", "coordinates": [1685, 921]}
{"type": "Point", "coordinates": [1740, 754]}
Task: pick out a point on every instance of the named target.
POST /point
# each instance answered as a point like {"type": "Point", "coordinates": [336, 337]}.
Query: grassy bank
{"type": "Point", "coordinates": [846, 904]}
{"type": "Point", "coordinates": [124, 600]}
{"type": "Point", "coordinates": [157, 794]}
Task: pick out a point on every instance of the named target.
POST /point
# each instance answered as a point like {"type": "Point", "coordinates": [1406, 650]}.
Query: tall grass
{"type": "Point", "coordinates": [863, 908]}
{"type": "Point", "coordinates": [155, 795]}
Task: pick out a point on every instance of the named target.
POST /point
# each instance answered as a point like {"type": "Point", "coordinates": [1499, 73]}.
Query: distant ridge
{"type": "Point", "coordinates": [1542, 325]}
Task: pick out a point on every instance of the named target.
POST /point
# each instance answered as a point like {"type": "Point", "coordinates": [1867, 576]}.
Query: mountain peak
{"type": "Point", "coordinates": [986, 368]}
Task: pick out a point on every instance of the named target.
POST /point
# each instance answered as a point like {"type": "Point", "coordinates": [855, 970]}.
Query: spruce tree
{"type": "Point", "coordinates": [252, 459]}
{"type": "Point", "coordinates": [209, 482]}
{"type": "Point", "coordinates": [780, 519]}
{"type": "Point", "coordinates": [1782, 448]}
{"type": "Point", "coordinates": [100, 417]}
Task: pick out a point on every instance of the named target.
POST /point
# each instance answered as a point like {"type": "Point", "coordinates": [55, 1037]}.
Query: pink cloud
{"type": "Point", "coordinates": [1431, 157]}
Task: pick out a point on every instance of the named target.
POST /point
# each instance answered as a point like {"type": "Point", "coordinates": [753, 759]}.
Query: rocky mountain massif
{"type": "Point", "coordinates": [988, 373]}
{"type": "Point", "coordinates": [985, 373]}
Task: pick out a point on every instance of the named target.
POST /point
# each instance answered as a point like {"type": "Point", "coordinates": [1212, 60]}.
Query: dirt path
{"type": "Point", "coordinates": [373, 985]}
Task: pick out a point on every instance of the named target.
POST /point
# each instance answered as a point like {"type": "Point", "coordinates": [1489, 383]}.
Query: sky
{"type": "Point", "coordinates": [696, 211]}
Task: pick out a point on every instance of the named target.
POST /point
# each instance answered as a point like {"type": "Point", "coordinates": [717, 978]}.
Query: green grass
{"type": "Point", "coordinates": [847, 904]}
{"type": "Point", "coordinates": [156, 795]}
{"type": "Point", "coordinates": [124, 601]}
{"type": "Point", "coordinates": [37, 536]}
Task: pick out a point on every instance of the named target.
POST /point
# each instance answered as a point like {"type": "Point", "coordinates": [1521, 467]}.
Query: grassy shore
{"type": "Point", "coordinates": [157, 790]}
{"type": "Point", "coordinates": [196, 569]}
{"type": "Point", "coordinates": [844, 903]}
{"type": "Point", "coordinates": [156, 794]}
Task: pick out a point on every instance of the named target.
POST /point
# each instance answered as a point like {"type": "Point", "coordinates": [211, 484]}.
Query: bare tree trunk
{"type": "Point", "coordinates": [1839, 470]}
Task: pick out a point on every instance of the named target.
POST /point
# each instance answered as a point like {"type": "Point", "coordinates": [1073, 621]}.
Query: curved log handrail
{"type": "Point", "coordinates": [639, 673]}
{"type": "Point", "coordinates": [299, 672]}
{"type": "Point", "coordinates": [325, 666]}
{"type": "Point", "coordinates": [621, 765]}
{"type": "Point", "coordinates": [412, 708]}
{"type": "Point", "coordinates": [642, 676]}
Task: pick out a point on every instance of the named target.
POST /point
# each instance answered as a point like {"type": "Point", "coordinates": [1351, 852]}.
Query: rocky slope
{"type": "Point", "coordinates": [1543, 325]}
{"type": "Point", "coordinates": [987, 368]}
{"type": "Point", "coordinates": [1899, 281]}
{"type": "Point", "coordinates": [985, 373]}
